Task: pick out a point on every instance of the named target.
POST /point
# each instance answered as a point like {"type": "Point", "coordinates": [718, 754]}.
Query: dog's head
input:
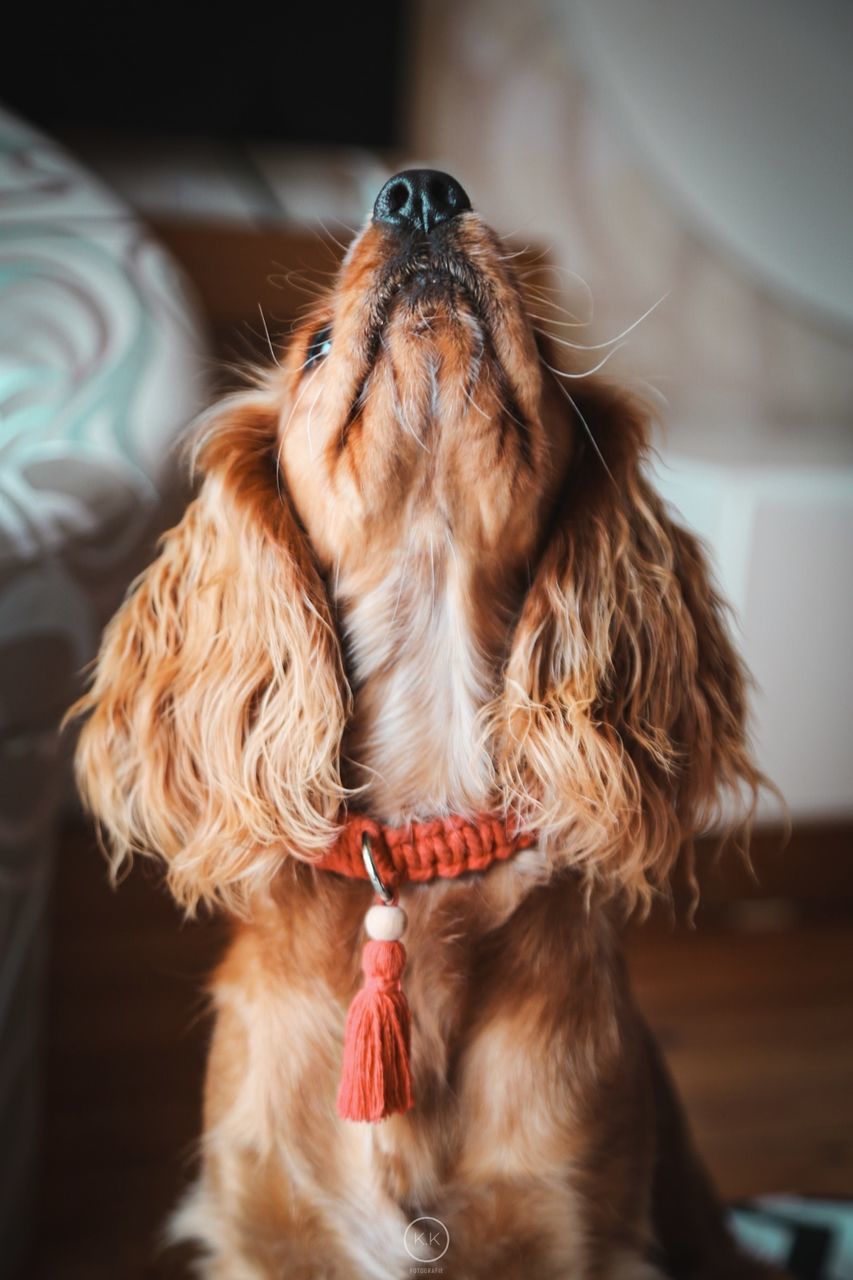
{"type": "Point", "coordinates": [417, 404]}
{"type": "Point", "coordinates": [415, 398]}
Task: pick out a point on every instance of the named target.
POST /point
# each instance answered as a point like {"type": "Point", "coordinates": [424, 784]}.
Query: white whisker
{"type": "Point", "coordinates": [333, 238]}
{"type": "Point", "coordinates": [600, 346]}
{"type": "Point", "coordinates": [519, 253]}
{"type": "Point", "coordinates": [567, 271]}
{"type": "Point", "coordinates": [564, 324]}
{"type": "Point", "coordinates": [308, 422]}
{"type": "Point", "coordinates": [587, 428]}
{"type": "Point", "coordinates": [298, 282]}
{"type": "Point", "coordinates": [269, 339]}
{"type": "Point", "coordinates": [534, 296]}
{"type": "Point", "coordinates": [585, 373]}
{"type": "Point", "coordinates": [306, 384]}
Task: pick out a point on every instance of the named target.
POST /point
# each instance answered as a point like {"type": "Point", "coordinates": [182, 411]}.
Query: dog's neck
{"type": "Point", "coordinates": [423, 647]}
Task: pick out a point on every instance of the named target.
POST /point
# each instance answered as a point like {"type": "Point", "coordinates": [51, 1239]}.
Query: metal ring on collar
{"type": "Point", "coordinates": [387, 895]}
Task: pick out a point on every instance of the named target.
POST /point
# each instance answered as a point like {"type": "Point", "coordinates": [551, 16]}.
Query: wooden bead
{"type": "Point", "coordinates": [385, 924]}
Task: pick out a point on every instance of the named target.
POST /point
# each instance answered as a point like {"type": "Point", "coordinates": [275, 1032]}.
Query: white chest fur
{"type": "Point", "coordinates": [421, 681]}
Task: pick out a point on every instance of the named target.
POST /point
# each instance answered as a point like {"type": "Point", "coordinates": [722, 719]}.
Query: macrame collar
{"type": "Point", "coordinates": [443, 848]}
{"type": "Point", "coordinates": [376, 1078]}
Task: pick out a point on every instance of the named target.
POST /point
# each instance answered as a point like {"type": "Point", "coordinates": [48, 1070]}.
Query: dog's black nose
{"type": "Point", "coordinates": [419, 199]}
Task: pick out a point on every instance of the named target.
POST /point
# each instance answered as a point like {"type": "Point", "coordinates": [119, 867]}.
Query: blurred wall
{"type": "Point", "coordinates": [502, 99]}
{"type": "Point", "coordinates": [756, 388]}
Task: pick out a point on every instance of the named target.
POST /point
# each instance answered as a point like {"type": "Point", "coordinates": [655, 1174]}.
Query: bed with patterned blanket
{"type": "Point", "coordinates": [101, 366]}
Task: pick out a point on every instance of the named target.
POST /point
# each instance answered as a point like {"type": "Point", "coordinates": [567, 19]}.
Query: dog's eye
{"type": "Point", "coordinates": [319, 346]}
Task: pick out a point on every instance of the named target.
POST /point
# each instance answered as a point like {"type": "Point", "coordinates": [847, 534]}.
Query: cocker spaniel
{"type": "Point", "coordinates": [427, 652]}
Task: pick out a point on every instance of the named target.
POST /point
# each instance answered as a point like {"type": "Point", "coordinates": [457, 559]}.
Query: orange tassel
{"type": "Point", "coordinates": [376, 1078]}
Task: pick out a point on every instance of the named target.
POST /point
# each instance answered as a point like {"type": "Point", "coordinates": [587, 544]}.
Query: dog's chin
{"type": "Point", "coordinates": [431, 303]}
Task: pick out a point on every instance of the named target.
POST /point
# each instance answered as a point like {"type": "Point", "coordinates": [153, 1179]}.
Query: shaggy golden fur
{"type": "Point", "coordinates": [422, 577]}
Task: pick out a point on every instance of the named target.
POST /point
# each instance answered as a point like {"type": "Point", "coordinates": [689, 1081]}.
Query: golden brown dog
{"type": "Point", "coordinates": [426, 576]}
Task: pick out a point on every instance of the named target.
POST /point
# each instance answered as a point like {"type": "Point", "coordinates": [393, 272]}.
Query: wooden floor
{"type": "Point", "coordinates": [756, 1020]}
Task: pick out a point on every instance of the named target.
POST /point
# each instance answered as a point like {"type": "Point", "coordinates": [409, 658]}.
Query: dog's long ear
{"type": "Point", "coordinates": [218, 704]}
{"type": "Point", "coordinates": [622, 723]}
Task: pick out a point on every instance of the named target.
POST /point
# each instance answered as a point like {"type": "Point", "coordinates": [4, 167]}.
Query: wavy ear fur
{"type": "Point", "coordinates": [219, 701]}
{"type": "Point", "coordinates": [623, 720]}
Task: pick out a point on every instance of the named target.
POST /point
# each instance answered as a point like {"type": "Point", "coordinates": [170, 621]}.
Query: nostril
{"type": "Point", "coordinates": [439, 193]}
{"type": "Point", "coordinates": [396, 197]}
{"type": "Point", "coordinates": [443, 198]}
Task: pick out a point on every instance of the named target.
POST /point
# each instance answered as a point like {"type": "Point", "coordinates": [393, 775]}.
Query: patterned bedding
{"type": "Point", "coordinates": [101, 366]}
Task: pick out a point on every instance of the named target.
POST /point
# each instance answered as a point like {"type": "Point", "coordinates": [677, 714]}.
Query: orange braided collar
{"type": "Point", "coordinates": [420, 851]}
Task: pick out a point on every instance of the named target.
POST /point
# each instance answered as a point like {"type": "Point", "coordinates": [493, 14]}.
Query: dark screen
{"type": "Point", "coordinates": [309, 73]}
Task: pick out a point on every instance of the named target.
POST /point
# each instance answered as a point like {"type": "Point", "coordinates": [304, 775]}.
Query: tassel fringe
{"type": "Point", "coordinates": [376, 1079]}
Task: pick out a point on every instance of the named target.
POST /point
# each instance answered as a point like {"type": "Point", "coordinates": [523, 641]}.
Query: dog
{"type": "Point", "coordinates": [427, 586]}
